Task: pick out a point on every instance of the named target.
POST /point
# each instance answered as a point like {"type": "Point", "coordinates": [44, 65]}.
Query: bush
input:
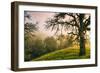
{"type": "Point", "coordinates": [50, 44]}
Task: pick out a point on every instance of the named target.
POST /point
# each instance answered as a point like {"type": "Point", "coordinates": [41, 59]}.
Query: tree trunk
{"type": "Point", "coordinates": [81, 34]}
{"type": "Point", "coordinates": [82, 46]}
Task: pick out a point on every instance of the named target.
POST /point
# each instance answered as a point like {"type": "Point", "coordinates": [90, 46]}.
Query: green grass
{"type": "Point", "coordinates": [64, 54]}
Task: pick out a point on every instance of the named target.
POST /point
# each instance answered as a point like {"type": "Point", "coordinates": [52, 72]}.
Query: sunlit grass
{"type": "Point", "coordinates": [64, 54]}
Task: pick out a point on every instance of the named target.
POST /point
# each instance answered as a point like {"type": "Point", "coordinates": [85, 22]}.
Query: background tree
{"type": "Point", "coordinates": [62, 41]}
{"type": "Point", "coordinates": [50, 44]}
{"type": "Point", "coordinates": [58, 27]}
{"type": "Point", "coordinates": [76, 23]}
{"type": "Point", "coordinates": [29, 37]}
{"type": "Point", "coordinates": [29, 29]}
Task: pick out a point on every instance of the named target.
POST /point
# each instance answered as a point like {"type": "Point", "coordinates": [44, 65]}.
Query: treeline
{"type": "Point", "coordinates": [36, 46]}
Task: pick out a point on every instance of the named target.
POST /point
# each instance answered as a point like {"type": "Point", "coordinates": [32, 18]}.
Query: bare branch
{"type": "Point", "coordinates": [72, 33]}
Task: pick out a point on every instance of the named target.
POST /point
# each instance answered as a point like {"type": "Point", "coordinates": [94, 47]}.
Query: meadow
{"type": "Point", "coordinates": [64, 54]}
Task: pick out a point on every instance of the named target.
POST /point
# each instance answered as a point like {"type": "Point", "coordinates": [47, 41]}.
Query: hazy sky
{"type": "Point", "coordinates": [40, 17]}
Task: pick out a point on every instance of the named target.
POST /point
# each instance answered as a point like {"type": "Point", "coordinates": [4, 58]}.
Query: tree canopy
{"type": "Point", "coordinates": [76, 24]}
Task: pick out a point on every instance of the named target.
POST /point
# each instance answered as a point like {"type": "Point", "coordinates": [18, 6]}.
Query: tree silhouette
{"type": "Point", "coordinates": [29, 26]}
{"type": "Point", "coordinates": [29, 29]}
{"type": "Point", "coordinates": [76, 25]}
{"type": "Point", "coordinates": [54, 25]}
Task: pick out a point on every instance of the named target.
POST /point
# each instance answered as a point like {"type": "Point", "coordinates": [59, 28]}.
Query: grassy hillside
{"type": "Point", "coordinates": [64, 54]}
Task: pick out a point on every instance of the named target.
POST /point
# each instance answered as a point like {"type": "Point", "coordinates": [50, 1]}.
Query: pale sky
{"type": "Point", "coordinates": [41, 17]}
